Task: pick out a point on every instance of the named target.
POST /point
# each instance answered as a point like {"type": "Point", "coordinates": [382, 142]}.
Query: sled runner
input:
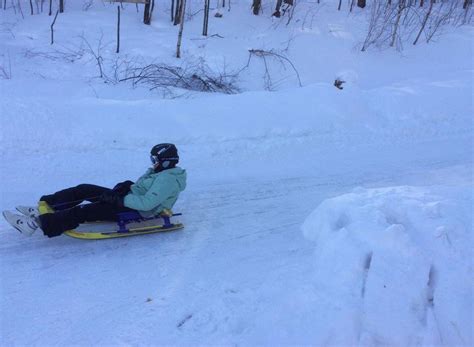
{"type": "Point", "coordinates": [129, 224]}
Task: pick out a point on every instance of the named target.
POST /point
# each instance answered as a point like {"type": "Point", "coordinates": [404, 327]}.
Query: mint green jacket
{"type": "Point", "coordinates": [153, 192]}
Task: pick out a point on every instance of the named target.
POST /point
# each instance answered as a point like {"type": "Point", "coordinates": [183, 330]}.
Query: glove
{"type": "Point", "coordinates": [112, 198]}
{"type": "Point", "coordinates": [123, 188]}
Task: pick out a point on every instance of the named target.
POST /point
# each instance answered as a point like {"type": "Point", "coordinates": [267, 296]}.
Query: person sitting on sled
{"type": "Point", "coordinates": [156, 190]}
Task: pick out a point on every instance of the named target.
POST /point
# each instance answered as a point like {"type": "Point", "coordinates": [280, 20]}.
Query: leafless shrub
{"type": "Point", "coordinates": [96, 53]}
{"type": "Point", "coordinates": [287, 8]}
{"type": "Point", "coordinates": [310, 13]}
{"type": "Point", "coordinates": [465, 17]}
{"type": "Point", "coordinates": [65, 54]}
{"type": "Point", "coordinates": [289, 42]}
{"type": "Point", "coordinates": [264, 55]}
{"type": "Point", "coordinates": [19, 8]}
{"type": "Point", "coordinates": [423, 23]}
{"type": "Point", "coordinates": [6, 67]}
{"type": "Point", "coordinates": [392, 23]}
{"type": "Point", "coordinates": [194, 77]}
{"type": "Point", "coordinates": [122, 67]}
{"type": "Point", "coordinates": [87, 5]}
{"type": "Point", "coordinates": [378, 32]}
{"type": "Point", "coordinates": [7, 27]}
{"type": "Point", "coordinates": [443, 15]}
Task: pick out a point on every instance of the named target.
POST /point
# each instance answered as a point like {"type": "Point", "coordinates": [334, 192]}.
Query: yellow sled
{"type": "Point", "coordinates": [108, 230]}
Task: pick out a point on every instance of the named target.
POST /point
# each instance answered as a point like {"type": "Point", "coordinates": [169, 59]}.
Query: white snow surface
{"type": "Point", "coordinates": [314, 216]}
{"type": "Point", "coordinates": [403, 256]}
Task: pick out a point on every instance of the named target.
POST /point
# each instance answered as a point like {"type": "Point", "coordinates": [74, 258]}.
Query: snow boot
{"type": "Point", "coordinates": [24, 224]}
{"type": "Point", "coordinates": [29, 211]}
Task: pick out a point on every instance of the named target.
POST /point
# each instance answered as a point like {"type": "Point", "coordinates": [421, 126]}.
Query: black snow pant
{"type": "Point", "coordinates": [69, 212]}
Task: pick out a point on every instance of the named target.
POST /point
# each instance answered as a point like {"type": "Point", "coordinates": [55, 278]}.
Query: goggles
{"type": "Point", "coordinates": [155, 160]}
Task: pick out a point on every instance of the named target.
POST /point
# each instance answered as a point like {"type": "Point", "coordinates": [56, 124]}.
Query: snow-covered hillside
{"type": "Point", "coordinates": [313, 215]}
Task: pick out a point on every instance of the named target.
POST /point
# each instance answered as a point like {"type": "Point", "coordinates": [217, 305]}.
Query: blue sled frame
{"type": "Point", "coordinates": [125, 218]}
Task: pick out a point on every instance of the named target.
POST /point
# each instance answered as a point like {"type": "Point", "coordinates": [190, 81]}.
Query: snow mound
{"type": "Point", "coordinates": [399, 262]}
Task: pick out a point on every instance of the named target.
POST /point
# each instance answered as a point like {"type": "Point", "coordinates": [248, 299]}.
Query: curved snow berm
{"type": "Point", "coordinates": [397, 262]}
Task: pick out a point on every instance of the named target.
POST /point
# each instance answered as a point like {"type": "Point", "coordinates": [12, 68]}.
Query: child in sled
{"type": "Point", "coordinates": [156, 190]}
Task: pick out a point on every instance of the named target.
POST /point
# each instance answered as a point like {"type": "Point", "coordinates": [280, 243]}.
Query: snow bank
{"type": "Point", "coordinates": [399, 263]}
{"type": "Point", "coordinates": [72, 113]}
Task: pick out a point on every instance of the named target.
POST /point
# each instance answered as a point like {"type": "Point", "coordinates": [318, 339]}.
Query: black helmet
{"type": "Point", "coordinates": [166, 154]}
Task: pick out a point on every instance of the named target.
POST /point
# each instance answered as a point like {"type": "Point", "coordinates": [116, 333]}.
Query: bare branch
{"type": "Point", "coordinates": [260, 53]}
{"type": "Point", "coordinates": [191, 77]}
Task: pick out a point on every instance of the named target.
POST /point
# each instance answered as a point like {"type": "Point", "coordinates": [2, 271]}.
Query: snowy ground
{"type": "Point", "coordinates": [313, 216]}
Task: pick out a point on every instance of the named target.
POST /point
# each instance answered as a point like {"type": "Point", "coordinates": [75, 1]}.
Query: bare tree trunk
{"type": "Point", "coordinates": [361, 3]}
{"type": "Point", "coordinates": [52, 27]}
{"type": "Point", "coordinates": [61, 6]}
{"type": "Point", "coordinates": [256, 5]}
{"type": "Point", "coordinates": [172, 10]}
{"type": "Point", "coordinates": [352, 5]}
{"type": "Point", "coordinates": [466, 4]}
{"type": "Point", "coordinates": [50, 7]}
{"type": "Point", "coordinates": [339, 6]}
{"type": "Point", "coordinates": [181, 26]}
{"type": "Point", "coordinates": [146, 13]}
{"type": "Point", "coordinates": [422, 2]}
{"type": "Point", "coordinates": [425, 20]}
{"type": "Point", "coordinates": [118, 30]}
{"type": "Point", "coordinates": [31, 6]}
{"type": "Point", "coordinates": [177, 16]}
{"type": "Point", "coordinates": [277, 12]}
{"type": "Point", "coordinates": [151, 9]}
{"type": "Point", "coordinates": [206, 17]}
{"type": "Point", "coordinates": [20, 9]}
{"type": "Point", "coordinates": [401, 7]}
